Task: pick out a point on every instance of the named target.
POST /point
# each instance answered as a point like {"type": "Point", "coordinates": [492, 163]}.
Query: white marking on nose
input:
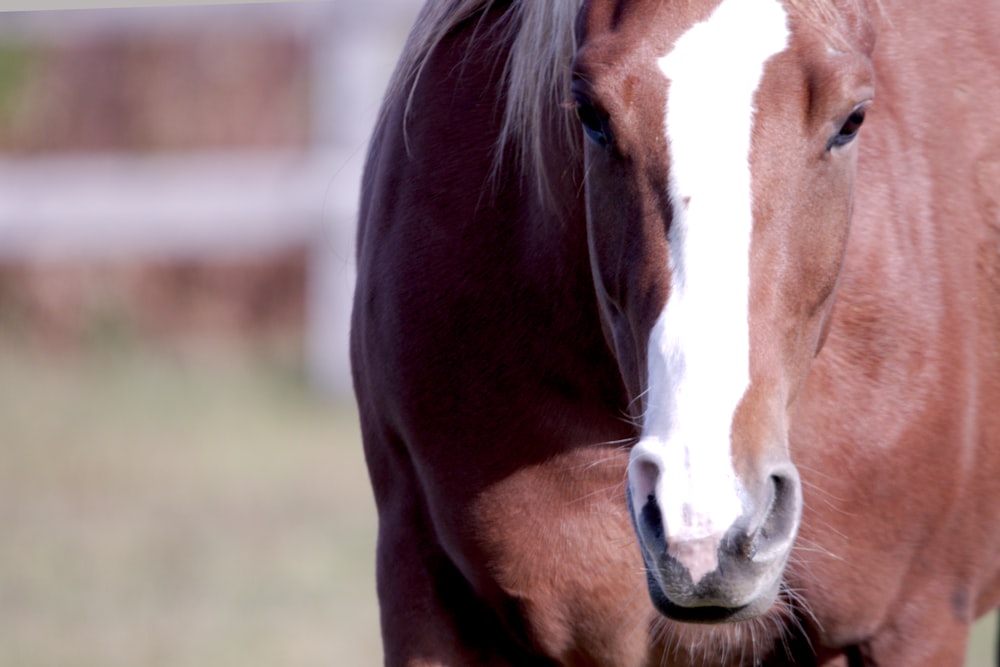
{"type": "Point", "coordinates": [699, 348]}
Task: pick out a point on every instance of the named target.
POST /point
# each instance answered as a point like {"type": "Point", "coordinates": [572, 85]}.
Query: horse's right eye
{"type": "Point", "coordinates": [594, 124]}
{"type": "Point", "coordinates": [849, 130]}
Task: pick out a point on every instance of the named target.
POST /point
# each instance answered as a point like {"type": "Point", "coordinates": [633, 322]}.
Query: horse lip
{"type": "Point", "coordinates": [699, 608]}
{"type": "Point", "coordinates": [709, 613]}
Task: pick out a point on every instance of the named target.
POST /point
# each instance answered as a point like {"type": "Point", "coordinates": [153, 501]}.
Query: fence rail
{"type": "Point", "coordinates": [188, 204]}
{"type": "Point", "coordinates": [206, 204]}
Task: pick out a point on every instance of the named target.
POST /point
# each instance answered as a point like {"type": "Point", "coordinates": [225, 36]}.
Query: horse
{"type": "Point", "coordinates": [676, 333]}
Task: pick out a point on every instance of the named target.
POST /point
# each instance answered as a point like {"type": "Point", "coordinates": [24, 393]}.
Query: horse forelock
{"type": "Point", "coordinates": [538, 81]}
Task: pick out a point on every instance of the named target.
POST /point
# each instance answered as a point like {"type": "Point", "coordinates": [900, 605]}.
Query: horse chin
{"type": "Point", "coordinates": [710, 613]}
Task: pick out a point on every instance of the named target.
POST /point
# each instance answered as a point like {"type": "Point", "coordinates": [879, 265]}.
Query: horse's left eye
{"type": "Point", "coordinates": [594, 125]}
{"type": "Point", "coordinates": [849, 130]}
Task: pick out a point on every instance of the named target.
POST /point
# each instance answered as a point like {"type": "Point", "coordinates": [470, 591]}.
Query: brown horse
{"type": "Point", "coordinates": [661, 358]}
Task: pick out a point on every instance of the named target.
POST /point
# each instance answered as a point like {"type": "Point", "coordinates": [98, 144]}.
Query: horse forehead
{"type": "Point", "coordinates": [714, 71]}
{"type": "Point", "coordinates": [623, 44]}
{"type": "Point", "coordinates": [629, 24]}
{"type": "Point", "coordinates": [730, 47]}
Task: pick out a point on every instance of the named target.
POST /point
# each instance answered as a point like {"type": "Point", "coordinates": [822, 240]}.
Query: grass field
{"type": "Point", "coordinates": [186, 511]}
{"type": "Point", "coordinates": [196, 512]}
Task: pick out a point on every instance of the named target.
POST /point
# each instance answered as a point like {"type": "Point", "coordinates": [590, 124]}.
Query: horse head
{"type": "Point", "coordinates": [720, 161]}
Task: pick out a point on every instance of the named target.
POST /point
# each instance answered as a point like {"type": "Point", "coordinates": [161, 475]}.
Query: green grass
{"type": "Point", "coordinates": [158, 512]}
{"type": "Point", "coordinates": [203, 512]}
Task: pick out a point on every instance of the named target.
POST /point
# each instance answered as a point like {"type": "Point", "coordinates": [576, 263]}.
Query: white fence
{"type": "Point", "coordinates": [222, 203]}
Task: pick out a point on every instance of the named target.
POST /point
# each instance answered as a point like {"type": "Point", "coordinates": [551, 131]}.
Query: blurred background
{"type": "Point", "coordinates": [181, 476]}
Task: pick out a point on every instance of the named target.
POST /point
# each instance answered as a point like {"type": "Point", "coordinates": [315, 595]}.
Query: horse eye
{"type": "Point", "coordinates": [849, 130]}
{"type": "Point", "coordinates": [594, 125]}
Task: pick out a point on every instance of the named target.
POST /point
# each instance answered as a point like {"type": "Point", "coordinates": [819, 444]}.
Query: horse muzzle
{"type": "Point", "coordinates": [715, 574]}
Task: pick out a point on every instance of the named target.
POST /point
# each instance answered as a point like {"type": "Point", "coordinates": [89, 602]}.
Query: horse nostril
{"type": "Point", "coordinates": [780, 522]}
{"type": "Point", "coordinates": [652, 518]}
{"type": "Point", "coordinates": [644, 475]}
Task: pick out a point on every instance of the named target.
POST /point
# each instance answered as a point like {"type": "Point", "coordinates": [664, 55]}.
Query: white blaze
{"type": "Point", "coordinates": [699, 348]}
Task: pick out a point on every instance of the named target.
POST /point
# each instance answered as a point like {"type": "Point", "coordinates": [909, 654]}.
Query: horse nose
{"type": "Point", "coordinates": [708, 539]}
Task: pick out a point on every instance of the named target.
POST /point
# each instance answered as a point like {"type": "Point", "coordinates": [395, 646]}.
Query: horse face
{"type": "Point", "coordinates": [720, 160]}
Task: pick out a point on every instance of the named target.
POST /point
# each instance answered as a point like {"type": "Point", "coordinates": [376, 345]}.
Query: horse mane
{"type": "Point", "coordinates": [538, 71]}
{"type": "Point", "coordinates": [536, 75]}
